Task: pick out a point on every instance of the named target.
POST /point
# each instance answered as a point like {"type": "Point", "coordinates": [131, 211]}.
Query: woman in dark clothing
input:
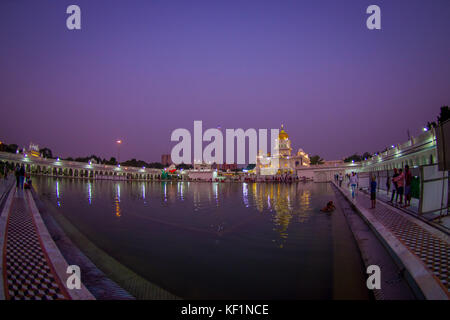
{"type": "Point", "coordinates": [17, 174]}
{"type": "Point", "coordinates": [21, 176]}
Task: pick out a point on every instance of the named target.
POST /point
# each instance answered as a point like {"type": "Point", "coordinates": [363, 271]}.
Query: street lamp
{"type": "Point", "coordinates": [119, 142]}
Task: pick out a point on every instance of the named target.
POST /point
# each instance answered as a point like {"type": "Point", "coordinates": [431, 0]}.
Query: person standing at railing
{"type": "Point", "coordinates": [394, 191]}
{"type": "Point", "coordinates": [408, 179]}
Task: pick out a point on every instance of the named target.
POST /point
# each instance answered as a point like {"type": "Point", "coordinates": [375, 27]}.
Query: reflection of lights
{"type": "Point", "coordinates": [165, 192]}
{"type": "Point", "coordinates": [117, 201]}
{"type": "Point", "coordinates": [57, 194]}
{"type": "Point", "coordinates": [216, 191]}
{"type": "Point", "coordinates": [90, 192]}
{"type": "Point", "coordinates": [245, 194]}
{"type": "Point", "coordinates": [143, 191]}
{"type": "Point", "coordinates": [181, 190]}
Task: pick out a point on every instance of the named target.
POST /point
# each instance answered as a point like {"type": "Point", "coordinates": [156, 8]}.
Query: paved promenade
{"type": "Point", "coordinates": [32, 267]}
{"type": "Point", "coordinates": [423, 250]}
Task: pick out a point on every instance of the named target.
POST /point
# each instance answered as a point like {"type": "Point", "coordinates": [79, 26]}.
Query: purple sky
{"type": "Point", "coordinates": [140, 69]}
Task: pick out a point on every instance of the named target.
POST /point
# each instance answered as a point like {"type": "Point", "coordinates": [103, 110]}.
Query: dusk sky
{"type": "Point", "coordinates": [137, 70]}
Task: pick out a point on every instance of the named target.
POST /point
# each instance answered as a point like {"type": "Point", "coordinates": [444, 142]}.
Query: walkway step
{"type": "Point", "coordinates": [32, 268]}
{"type": "Point", "coordinates": [427, 249]}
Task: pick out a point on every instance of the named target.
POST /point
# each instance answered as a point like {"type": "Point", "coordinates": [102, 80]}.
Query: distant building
{"type": "Point", "coordinates": [227, 166]}
{"type": "Point", "coordinates": [33, 149]}
{"type": "Point", "coordinates": [166, 160]}
{"type": "Point", "coordinates": [203, 166]}
{"type": "Point", "coordinates": [333, 163]}
{"type": "Point", "coordinates": [282, 161]}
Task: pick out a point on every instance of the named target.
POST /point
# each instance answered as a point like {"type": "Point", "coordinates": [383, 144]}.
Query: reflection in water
{"type": "Point", "coordinates": [165, 191]}
{"type": "Point", "coordinates": [90, 192]}
{"type": "Point", "coordinates": [245, 194]}
{"type": "Point", "coordinates": [221, 239]}
{"type": "Point", "coordinates": [143, 192]}
{"type": "Point", "coordinates": [283, 202]}
{"type": "Point", "coordinates": [58, 202]}
{"type": "Point", "coordinates": [117, 201]}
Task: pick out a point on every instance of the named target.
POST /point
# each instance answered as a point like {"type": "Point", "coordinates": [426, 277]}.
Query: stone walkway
{"type": "Point", "coordinates": [430, 246]}
{"type": "Point", "coordinates": [28, 272]}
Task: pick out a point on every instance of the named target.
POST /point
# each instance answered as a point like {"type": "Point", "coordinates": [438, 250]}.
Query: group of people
{"type": "Point", "coordinates": [401, 181]}
{"type": "Point", "coordinates": [23, 181]}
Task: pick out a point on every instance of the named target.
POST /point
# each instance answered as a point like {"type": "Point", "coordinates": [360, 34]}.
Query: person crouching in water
{"type": "Point", "coordinates": [28, 183]}
{"type": "Point", "coordinates": [329, 207]}
{"type": "Point", "coordinates": [373, 192]}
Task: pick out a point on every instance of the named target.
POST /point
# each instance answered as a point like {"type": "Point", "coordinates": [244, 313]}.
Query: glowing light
{"type": "Point", "coordinates": [119, 141]}
{"type": "Point", "coordinates": [425, 129]}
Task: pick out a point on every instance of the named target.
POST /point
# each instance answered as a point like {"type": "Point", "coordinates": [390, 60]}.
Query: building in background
{"type": "Point", "coordinates": [282, 161]}
{"type": "Point", "coordinates": [166, 160]}
{"type": "Point", "coordinates": [228, 166]}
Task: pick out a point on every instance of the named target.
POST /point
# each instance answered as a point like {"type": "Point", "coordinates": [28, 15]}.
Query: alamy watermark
{"type": "Point", "coordinates": [214, 151]}
{"type": "Point", "coordinates": [73, 22]}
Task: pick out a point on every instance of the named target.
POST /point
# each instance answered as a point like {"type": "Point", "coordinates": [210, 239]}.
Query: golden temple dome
{"type": "Point", "coordinates": [283, 135]}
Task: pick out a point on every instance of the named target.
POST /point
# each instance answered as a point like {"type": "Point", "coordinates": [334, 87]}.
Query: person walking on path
{"type": "Point", "coordinates": [394, 191]}
{"type": "Point", "coordinates": [388, 184]}
{"type": "Point", "coordinates": [17, 174]}
{"type": "Point", "coordinates": [408, 179]}
{"type": "Point", "coordinates": [353, 183]}
{"type": "Point", "coordinates": [373, 192]}
{"type": "Point", "coordinates": [341, 178]}
{"type": "Point", "coordinates": [21, 176]}
{"type": "Point", "coordinates": [400, 185]}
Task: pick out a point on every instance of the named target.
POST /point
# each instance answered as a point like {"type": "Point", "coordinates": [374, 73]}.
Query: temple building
{"type": "Point", "coordinates": [282, 161]}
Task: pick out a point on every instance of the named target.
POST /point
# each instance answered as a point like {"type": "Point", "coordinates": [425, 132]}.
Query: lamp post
{"type": "Point", "coordinates": [119, 142]}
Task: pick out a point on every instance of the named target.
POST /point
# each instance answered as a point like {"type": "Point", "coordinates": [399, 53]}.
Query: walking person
{"type": "Point", "coordinates": [400, 185]}
{"type": "Point", "coordinates": [17, 174]}
{"type": "Point", "coordinates": [353, 183]}
{"type": "Point", "coordinates": [341, 178]}
{"type": "Point", "coordinates": [388, 184]}
{"type": "Point", "coordinates": [21, 176]}
{"type": "Point", "coordinates": [394, 190]}
{"type": "Point", "coordinates": [373, 192]}
{"type": "Point", "coordinates": [408, 179]}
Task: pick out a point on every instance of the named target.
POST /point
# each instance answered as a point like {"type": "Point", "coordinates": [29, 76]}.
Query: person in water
{"type": "Point", "coordinates": [329, 207]}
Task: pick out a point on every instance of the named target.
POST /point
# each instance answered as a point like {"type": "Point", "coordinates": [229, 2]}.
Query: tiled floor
{"type": "Point", "coordinates": [28, 275]}
{"type": "Point", "coordinates": [434, 252]}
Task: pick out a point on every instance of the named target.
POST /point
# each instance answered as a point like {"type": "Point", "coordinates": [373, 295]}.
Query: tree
{"type": "Point", "coordinates": [11, 148]}
{"type": "Point", "coordinates": [355, 158]}
{"type": "Point", "coordinates": [315, 160]}
{"type": "Point", "coordinates": [46, 153]}
{"type": "Point", "coordinates": [366, 155]}
{"type": "Point", "coordinates": [444, 115]}
{"type": "Point", "coordinates": [135, 163]}
{"type": "Point", "coordinates": [156, 165]}
{"type": "Point", "coordinates": [184, 166]}
{"type": "Point", "coordinates": [112, 161]}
